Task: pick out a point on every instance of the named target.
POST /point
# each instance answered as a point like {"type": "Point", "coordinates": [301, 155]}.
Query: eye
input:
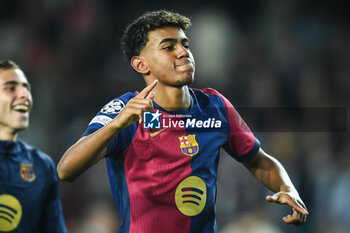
{"type": "Point", "coordinates": [27, 86]}
{"type": "Point", "coordinates": [10, 88]}
{"type": "Point", "coordinates": [186, 45]}
{"type": "Point", "coordinates": [169, 48]}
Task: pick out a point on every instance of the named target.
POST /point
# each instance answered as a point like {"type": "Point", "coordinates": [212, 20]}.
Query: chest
{"type": "Point", "coordinates": [23, 180]}
{"type": "Point", "coordinates": [171, 148]}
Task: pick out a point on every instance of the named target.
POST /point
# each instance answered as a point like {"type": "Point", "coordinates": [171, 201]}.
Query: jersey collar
{"type": "Point", "coordinates": [10, 147]}
{"type": "Point", "coordinates": [179, 111]}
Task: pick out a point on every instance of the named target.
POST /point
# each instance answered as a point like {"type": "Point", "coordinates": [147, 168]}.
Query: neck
{"type": "Point", "coordinates": [172, 98]}
{"type": "Point", "coordinates": [8, 135]}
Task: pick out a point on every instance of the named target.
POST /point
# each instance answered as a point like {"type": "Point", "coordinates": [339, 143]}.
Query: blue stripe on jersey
{"type": "Point", "coordinates": [205, 221]}
{"type": "Point", "coordinates": [120, 191]}
{"type": "Point", "coordinates": [205, 163]}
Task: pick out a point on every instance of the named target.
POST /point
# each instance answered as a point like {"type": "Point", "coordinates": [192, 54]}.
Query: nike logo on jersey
{"type": "Point", "coordinates": [153, 134]}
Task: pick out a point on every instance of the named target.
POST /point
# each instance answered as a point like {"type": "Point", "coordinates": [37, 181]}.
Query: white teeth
{"type": "Point", "coordinates": [20, 107]}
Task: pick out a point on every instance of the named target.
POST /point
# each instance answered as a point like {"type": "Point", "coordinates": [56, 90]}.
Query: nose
{"type": "Point", "coordinates": [23, 93]}
{"type": "Point", "coordinates": [183, 52]}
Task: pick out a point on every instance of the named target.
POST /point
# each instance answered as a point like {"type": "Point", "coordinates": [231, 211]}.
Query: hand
{"type": "Point", "coordinates": [293, 200]}
{"type": "Point", "coordinates": [133, 111]}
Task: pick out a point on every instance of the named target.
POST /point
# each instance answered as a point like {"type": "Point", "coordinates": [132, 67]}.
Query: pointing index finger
{"type": "Point", "coordinates": [144, 93]}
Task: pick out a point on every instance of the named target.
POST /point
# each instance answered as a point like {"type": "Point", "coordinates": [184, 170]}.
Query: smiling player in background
{"type": "Point", "coordinates": [164, 179]}
{"type": "Point", "coordinates": [29, 200]}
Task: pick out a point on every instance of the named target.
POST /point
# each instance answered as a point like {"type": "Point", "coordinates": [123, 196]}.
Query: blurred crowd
{"type": "Point", "coordinates": [257, 53]}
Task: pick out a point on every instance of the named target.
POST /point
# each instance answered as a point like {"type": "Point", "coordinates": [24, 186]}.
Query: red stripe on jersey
{"type": "Point", "coordinates": [152, 179]}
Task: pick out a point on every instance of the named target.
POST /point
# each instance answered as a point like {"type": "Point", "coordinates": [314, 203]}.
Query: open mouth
{"type": "Point", "coordinates": [21, 108]}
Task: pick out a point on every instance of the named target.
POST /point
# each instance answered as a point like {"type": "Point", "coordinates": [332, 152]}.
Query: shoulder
{"type": "Point", "coordinates": [127, 96]}
{"type": "Point", "coordinates": [108, 112]}
{"type": "Point", "coordinates": [115, 105]}
{"type": "Point", "coordinates": [112, 108]}
{"type": "Point", "coordinates": [209, 95]}
{"type": "Point", "coordinates": [37, 155]}
{"type": "Point", "coordinates": [206, 91]}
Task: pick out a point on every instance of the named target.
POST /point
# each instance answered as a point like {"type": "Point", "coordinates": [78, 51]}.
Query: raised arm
{"type": "Point", "coordinates": [271, 173]}
{"type": "Point", "coordinates": [92, 148]}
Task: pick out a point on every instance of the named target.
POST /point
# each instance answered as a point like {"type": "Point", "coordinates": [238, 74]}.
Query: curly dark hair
{"type": "Point", "coordinates": [135, 35]}
{"type": "Point", "coordinates": [8, 65]}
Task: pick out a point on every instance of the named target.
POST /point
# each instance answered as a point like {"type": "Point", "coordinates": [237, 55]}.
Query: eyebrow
{"type": "Point", "coordinates": [16, 83]}
{"type": "Point", "coordinates": [173, 40]}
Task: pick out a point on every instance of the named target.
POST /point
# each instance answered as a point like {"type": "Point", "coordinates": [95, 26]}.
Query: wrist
{"type": "Point", "coordinates": [115, 127]}
{"type": "Point", "coordinates": [287, 188]}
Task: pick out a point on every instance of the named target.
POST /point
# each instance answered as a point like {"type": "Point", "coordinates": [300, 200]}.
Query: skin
{"type": "Point", "coordinates": [271, 173]}
{"type": "Point", "coordinates": [167, 66]}
{"type": "Point", "coordinates": [15, 103]}
{"type": "Point", "coordinates": [166, 78]}
{"type": "Point", "coordinates": [167, 57]}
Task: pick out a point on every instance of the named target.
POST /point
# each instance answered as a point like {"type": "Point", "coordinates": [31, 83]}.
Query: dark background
{"type": "Point", "coordinates": [259, 54]}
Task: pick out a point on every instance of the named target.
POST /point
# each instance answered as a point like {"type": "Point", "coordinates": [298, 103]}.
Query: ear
{"type": "Point", "coordinates": [138, 64]}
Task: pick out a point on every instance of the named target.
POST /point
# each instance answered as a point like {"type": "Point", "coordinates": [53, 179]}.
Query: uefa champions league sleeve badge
{"type": "Point", "coordinates": [113, 107]}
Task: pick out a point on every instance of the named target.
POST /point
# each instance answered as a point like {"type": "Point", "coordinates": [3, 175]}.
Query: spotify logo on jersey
{"type": "Point", "coordinates": [191, 196]}
{"type": "Point", "coordinates": [10, 213]}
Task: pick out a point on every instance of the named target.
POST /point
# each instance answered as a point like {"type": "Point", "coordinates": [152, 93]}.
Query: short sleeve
{"type": "Point", "coordinates": [106, 115]}
{"type": "Point", "coordinates": [242, 144]}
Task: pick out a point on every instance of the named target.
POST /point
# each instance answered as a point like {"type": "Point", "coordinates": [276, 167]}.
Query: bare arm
{"type": "Point", "coordinates": [85, 153]}
{"type": "Point", "coordinates": [92, 148]}
{"type": "Point", "coordinates": [271, 173]}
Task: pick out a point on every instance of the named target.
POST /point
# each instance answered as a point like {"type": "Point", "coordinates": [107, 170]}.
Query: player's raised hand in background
{"type": "Point", "coordinates": [133, 111]}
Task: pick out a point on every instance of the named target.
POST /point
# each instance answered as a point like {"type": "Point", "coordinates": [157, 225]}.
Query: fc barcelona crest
{"type": "Point", "coordinates": [27, 172]}
{"type": "Point", "coordinates": [188, 145]}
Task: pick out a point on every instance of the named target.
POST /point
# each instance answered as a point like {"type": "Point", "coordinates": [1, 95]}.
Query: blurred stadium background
{"type": "Point", "coordinates": [257, 53]}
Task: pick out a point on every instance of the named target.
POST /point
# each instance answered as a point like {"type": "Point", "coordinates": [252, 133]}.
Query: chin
{"type": "Point", "coordinates": [18, 129]}
{"type": "Point", "coordinates": [189, 79]}
{"type": "Point", "coordinates": [21, 126]}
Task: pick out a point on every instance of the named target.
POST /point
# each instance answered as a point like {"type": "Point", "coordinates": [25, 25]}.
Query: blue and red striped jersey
{"type": "Point", "coordinates": [164, 177]}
